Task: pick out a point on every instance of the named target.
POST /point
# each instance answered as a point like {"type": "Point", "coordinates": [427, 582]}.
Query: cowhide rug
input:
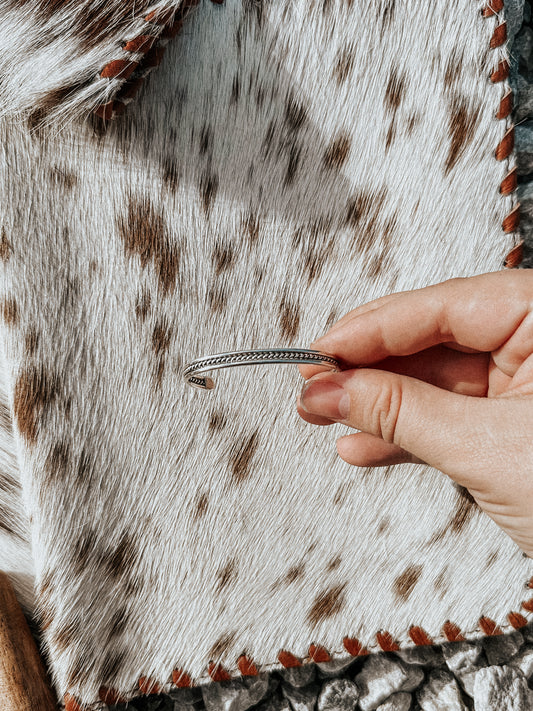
{"type": "Point", "coordinates": [289, 160]}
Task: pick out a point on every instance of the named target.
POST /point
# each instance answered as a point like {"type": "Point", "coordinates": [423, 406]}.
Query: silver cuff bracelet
{"type": "Point", "coordinates": [260, 356]}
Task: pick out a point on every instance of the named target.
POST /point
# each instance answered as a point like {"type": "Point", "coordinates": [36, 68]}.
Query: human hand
{"type": "Point", "coordinates": [449, 382]}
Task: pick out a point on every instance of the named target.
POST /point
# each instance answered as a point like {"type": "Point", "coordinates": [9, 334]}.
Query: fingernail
{"type": "Point", "coordinates": [326, 399]}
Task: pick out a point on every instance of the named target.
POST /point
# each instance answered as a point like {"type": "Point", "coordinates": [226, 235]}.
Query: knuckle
{"type": "Point", "coordinates": [387, 410]}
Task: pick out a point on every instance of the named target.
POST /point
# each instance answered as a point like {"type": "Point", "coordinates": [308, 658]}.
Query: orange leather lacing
{"type": "Point", "coordinates": [317, 654]}
{"type": "Point", "coordinates": [506, 145]}
{"type": "Point", "coordinates": [141, 54]}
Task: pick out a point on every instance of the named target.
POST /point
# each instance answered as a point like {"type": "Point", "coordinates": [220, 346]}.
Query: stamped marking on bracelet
{"type": "Point", "coordinates": [193, 373]}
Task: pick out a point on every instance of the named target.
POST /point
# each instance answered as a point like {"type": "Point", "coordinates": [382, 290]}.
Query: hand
{"type": "Point", "coordinates": [442, 375]}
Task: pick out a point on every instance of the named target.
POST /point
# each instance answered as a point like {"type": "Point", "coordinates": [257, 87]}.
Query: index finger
{"type": "Point", "coordinates": [479, 312]}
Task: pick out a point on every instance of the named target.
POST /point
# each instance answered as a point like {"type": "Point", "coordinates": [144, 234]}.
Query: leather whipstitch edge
{"type": "Point", "coordinates": [385, 642]}
{"type": "Point", "coordinates": [317, 654]}
{"type": "Point", "coordinates": [505, 147]}
{"type": "Point", "coordinates": [141, 54]}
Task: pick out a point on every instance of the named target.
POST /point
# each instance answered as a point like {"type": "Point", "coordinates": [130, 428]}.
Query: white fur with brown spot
{"type": "Point", "coordinates": [287, 162]}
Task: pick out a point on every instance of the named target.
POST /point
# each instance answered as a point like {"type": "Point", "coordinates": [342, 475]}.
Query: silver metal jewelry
{"type": "Point", "coordinates": [258, 356]}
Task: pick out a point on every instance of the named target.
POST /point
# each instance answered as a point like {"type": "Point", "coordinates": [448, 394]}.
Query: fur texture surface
{"type": "Point", "coordinates": [69, 57]}
{"type": "Point", "coordinates": [288, 161]}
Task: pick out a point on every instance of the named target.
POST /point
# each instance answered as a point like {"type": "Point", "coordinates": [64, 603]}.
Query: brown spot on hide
{"type": "Point", "coordinates": [65, 636]}
{"type": "Point", "coordinates": [222, 645]}
{"type": "Point", "coordinates": [217, 297]}
{"type": "Point", "coordinates": [80, 667]}
{"type": "Point", "coordinates": [326, 604]}
{"type": "Point", "coordinates": [384, 524]}
{"type": "Point", "coordinates": [5, 246]}
{"type": "Point", "coordinates": [332, 317]}
{"type": "Point", "coordinates": [10, 312]}
{"type": "Point", "coordinates": [84, 550]}
{"type": "Point", "coordinates": [206, 140]}
{"type": "Point", "coordinates": [111, 666]}
{"type": "Point", "coordinates": [295, 153]}
{"type": "Point", "coordinates": [314, 258]}
{"type": "Point", "coordinates": [6, 424]}
{"type": "Point", "coordinates": [413, 121]}
{"type": "Point", "coordinates": [295, 114]}
{"type": "Point", "coordinates": [235, 89]}
{"type": "Point", "coordinates": [452, 72]}
{"type": "Point", "coordinates": [289, 315]}
{"type": "Point", "coordinates": [394, 92]}
{"type": "Point", "coordinates": [63, 178]}
{"type": "Point", "coordinates": [208, 189]}
{"type": "Point", "coordinates": [337, 152]}
{"type": "Point", "coordinates": [161, 336]}
{"type": "Point", "coordinates": [35, 391]}
{"type": "Point", "coordinates": [141, 43]}
{"type": "Point", "coordinates": [390, 136]}
{"type": "Point", "coordinates": [134, 586]}
{"type": "Point", "coordinates": [462, 124]}
{"type": "Point", "coordinates": [45, 587]}
{"type": "Point", "coordinates": [268, 141]}
{"type": "Point", "coordinates": [120, 560]}
{"type": "Point", "coordinates": [144, 233]}
{"type": "Point", "coordinates": [8, 521]}
{"type": "Point", "coordinates": [142, 307]}
{"type": "Point", "coordinates": [50, 100]}
{"type": "Point", "coordinates": [377, 265]}
{"type": "Point", "coordinates": [241, 456]}
{"type": "Point", "coordinates": [440, 581]}
{"type": "Point", "coordinates": [85, 471]}
{"type": "Point", "coordinates": [334, 563]}
{"type": "Point", "coordinates": [388, 233]}
{"type": "Point", "coordinates": [217, 421]}
{"type": "Point", "coordinates": [405, 583]}
{"type": "Point", "coordinates": [223, 258]}
{"type": "Point", "coordinates": [340, 495]}
{"type": "Point", "coordinates": [259, 274]}
{"type": "Point", "coordinates": [226, 575]}
{"type": "Point", "coordinates": [343, 65]}
{"type": "Point", "coordinates": [201, 506]}
{"type": "Point", "coordinates": [359, 206]}
{"type": "Point", "coordinates": [170, 170]}
{"type": "Point", "coordinates": [118, 623]}
{"type": "Point", "coordinates": [46, 616]}
{"type": "Point", "coordinates": [250, 227]}
{"type": "Point", "coordinates": [492, 558]}
{"type": "Point", "coordinates": [437, 536]}
{"type": "Point", "coordinates": [387, 642]}
{"type": "Point", "coordinates": [294, 573]}
{"type": "Point", "coordinates": [57, 462]}
{"type": "Point", "coordinates": [466, 507]}
{"type": "Point", "coordinates": [388, 13]}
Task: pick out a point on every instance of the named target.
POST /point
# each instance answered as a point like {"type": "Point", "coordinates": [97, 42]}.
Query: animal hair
{"type": "Point", "coordinates": [287, 162]}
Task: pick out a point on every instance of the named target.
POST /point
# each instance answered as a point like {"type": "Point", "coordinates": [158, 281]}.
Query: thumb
{"type": "Point", "coordinates": [461, 435]}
